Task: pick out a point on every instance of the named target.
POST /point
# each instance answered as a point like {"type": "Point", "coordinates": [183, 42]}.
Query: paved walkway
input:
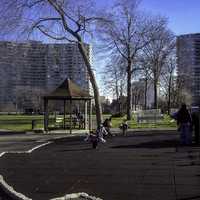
{"type": "Point", "coordinates": [141, 166]}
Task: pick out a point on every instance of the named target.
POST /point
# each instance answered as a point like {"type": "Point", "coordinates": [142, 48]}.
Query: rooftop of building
{"type": "Point", "coordinates": [28, 42]}
{"type": "Point", "coordinates": [189, 35]}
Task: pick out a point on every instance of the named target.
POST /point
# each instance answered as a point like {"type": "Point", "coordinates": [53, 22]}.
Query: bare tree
{"type": "Point", "coordinates": [147, 80]}
{"type": "Point", "coordinates": [168, 76]}
{"type": "Point", "coordinates": [138, 94]}
{"type": "Point", "coordinates": [60, 20]}
{"type": "Point", "coordinates": [181, 94]}
{"type": "Point", "coordinates": [127, 35]}
{"type": "Point", "coordinates": [145, 75]}
{"type": "Point", "coordinates": [114, 78]}
{"type": "Point", "coordinates": [158, 50]}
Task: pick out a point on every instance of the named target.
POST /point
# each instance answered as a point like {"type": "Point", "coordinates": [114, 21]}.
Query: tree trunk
{"type": "Point", "coordinates": [93, 82]}
{"type": "Point", "coordinates": [169, 95]}
{"type": "Point", "coordinates": [120, 98]}
{"type": "Point", "coordinates": [117, 94]}
{"type": "Point", "coordinates": [129, 91]}
{"type": "Point", "coordinates": [145, 94]}
{"type": "Point", "coordinates": [155, 94]}
{"type": "Point", "coordinates": [135, 102]}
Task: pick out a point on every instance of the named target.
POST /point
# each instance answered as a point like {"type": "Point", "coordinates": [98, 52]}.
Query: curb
{"type": "Point", "coordinates": [9, 189]}
{"type": "Point", "coordinates": [80, 196]}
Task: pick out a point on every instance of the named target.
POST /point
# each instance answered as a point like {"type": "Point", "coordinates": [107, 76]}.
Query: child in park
{"type": "Point", "coordinates": [98, 137]}
{"type": "Point", "coordinates": [124, 127]}
{"type": "Point", "coordinates": [108, 124]}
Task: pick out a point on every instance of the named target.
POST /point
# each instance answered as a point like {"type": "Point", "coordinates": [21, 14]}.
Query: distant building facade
{"type": "Point", "coordinates": [188, 66]}
{"type": "Point", "coordinates": [32, 68]}
{"type": "Point", "coordinates": [138, 94]}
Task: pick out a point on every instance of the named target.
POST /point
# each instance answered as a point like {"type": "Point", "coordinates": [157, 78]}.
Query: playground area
{"type": "Point", "coordinates": [141, 165]}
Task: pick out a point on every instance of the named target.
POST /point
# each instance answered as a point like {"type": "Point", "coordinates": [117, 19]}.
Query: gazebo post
{"type": "Point", "coordinates": [70, 106]}
{"type": "Point", "coordinates": [86, 117]}
{"type": "Point", "coordinates": [90, 114]}
{"type": "Point", "coordinates": [64, 114]}
{"type": "Point", "coordinates": [46, 114]}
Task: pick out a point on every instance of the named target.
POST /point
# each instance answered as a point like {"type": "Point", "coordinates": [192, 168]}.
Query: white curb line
{"type": "Point", "coordinates": [7, 188]}
{"type": "Point", "coordinates": [37, 147]}
{"type": "Point", "coordinates": [19, 196]}
{"type": "Point", "coordinates": [29, 151]}
{"type": "Point", "coordinates": [82, 195]}
{"type": "Point", "coordinates": [1, 154]}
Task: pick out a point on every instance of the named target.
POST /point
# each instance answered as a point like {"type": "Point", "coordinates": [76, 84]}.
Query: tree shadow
{"type": "Point", "coordinates": [74, 139]}
{"type": "Point", "coordinates": [83, 149]}
{"type": "Point", "coordinates": [190, 198]}
{"type": "Point", "coordinates": [152, 145]}
{"type": "Point", "coordinates": [132, 134]}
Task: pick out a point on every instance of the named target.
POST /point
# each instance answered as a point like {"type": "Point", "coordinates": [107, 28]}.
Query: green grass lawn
{"type": "Point", "coordinates": [166, 122]}
{"type": "Point", "coordinates": [20, 122]}
{"type": "Point", "coordinates": [24, 122]}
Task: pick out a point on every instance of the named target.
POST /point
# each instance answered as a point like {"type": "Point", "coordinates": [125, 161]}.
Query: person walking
{"type": "Point", "coordinates": [184, 123]}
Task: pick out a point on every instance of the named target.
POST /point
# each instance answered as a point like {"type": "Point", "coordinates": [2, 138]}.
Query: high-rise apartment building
{"type": "Point", "coordinates": [188, 65]}
{"type": "Point", "coordinates": [34, 66]}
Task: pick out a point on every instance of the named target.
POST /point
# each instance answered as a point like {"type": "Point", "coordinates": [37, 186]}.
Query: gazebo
{"type": "Point", "coordinates": [69, 91]}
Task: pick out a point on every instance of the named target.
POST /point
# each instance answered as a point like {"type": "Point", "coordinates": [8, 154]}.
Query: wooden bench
{"type": "Point", "coordinates": [59, 122]}
{"type": "Point", "coordinates": [147, 119]}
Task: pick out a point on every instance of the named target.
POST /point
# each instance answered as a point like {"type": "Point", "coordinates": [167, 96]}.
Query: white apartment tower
{"type": "Point", "coordinates": [188, 65]}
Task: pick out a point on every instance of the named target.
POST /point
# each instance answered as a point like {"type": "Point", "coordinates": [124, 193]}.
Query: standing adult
{"type": "Point", "coordinates": [195, 122]}
{"type": "Point", "coordinates": [184, 122]}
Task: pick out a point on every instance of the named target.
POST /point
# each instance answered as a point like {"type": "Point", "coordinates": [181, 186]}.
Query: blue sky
{"type": "Point", "coordinates": [183, 15]}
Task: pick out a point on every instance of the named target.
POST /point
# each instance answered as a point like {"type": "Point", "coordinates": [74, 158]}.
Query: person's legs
{"type": "Point", "coordinates": [124, 131]}
{"type": "Point", "coordinates": [108, 130]}
{"type": "Point", "coordinates": [196, 132]}
{"type": "Point", "coordinates": [188, 134]}
{"type": "Point", "coordinates": [183, 134]}
{"type": "Point", "coordinates": [94, 144]}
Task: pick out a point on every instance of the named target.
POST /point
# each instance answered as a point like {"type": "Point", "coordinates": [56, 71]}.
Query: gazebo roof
{"type": "Point", "coordinates": [69, 90]}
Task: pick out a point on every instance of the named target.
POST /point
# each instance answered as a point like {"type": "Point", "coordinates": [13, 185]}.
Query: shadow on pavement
{"type": "Point", "coordinates": [4, 196]}
{"type": "Point", "coordinates": [4, 133]}
{"type": "Point", "coordinates": [190, 198]}
{"type": "Point", "coordinates": [84, 149]}
{"type": "Point", "coordinates": [152, 145]}
{"type": "Point", "coordinates": [132, 134]}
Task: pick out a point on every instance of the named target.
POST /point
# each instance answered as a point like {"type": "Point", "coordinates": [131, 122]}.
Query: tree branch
{"type": "Point", "coordinates": [45, 20]}
{"type": "Point", "coordinates": [61, 12]}
{"type": "Point", "coordinates": [32, 4]}
{"type": "Point", "coordinates": [51, 36]}
{"type": "Point", "coordinates": [118, 49]}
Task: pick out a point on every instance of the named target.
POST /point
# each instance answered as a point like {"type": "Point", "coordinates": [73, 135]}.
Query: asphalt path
{"type": "Point", "coordinates": [21, 142]}
{"type": "Point", "coordinates": [24, 142]}
{"type": "Point", "coordinates": [141, 166]}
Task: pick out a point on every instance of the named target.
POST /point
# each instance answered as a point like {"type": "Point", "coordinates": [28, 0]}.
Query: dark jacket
{"type": "Point", "coordinates": [183, 116]}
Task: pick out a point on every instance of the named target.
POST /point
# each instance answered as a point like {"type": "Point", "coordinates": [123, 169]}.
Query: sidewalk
{"type": "Point", "coordinates": [141, 166]}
